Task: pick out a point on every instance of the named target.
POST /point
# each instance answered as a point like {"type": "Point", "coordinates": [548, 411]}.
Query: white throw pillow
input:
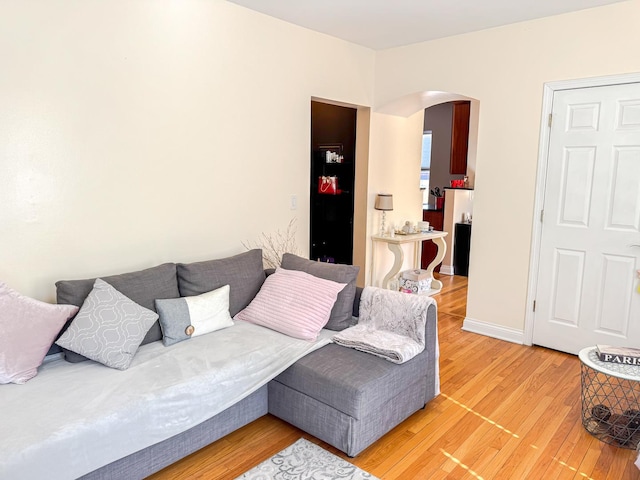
{"type": "Point", "coordinates": [186, 317]}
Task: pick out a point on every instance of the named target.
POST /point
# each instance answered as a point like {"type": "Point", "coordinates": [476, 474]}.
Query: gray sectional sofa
{"type": "Point", "coordinates": [344, 397]}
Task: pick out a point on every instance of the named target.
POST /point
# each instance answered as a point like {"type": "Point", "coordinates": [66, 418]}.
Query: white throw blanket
{"type": "Point", "coordinates": [391, 325]}
{"type": "Point", "coordinates": [76, 417]}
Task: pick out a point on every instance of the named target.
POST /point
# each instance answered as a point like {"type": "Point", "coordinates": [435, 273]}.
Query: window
{"type": "Point", "coordinates": [425, 167]}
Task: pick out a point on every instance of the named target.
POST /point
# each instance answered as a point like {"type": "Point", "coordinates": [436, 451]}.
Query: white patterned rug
{"type": "Point", "coordinates": [305, 461]}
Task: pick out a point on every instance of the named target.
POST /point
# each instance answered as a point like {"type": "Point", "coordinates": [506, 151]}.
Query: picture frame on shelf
{"type": "Point", "coordinates": [331, 153]}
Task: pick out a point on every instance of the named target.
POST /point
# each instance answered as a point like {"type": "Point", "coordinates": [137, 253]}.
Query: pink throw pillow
{"type": "Point", "coordinates": [28, 328]}
{"type": "Point", "coordinates": [294, 303]}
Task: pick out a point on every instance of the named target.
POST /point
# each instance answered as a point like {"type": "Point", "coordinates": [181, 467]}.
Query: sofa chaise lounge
{"type": "Point", "coordinates": [344, 397]}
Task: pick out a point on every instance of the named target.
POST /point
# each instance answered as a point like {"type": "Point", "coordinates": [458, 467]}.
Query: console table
{"type": "Point", "coordinates": [395, 245]}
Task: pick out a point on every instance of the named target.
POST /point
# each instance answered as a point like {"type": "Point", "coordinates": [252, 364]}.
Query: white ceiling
{"type": "Point", "coordinates": [380, 24]}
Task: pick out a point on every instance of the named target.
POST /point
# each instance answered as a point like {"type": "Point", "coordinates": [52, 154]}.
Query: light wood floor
{"type": "Point", "coordinates": [506, 411]}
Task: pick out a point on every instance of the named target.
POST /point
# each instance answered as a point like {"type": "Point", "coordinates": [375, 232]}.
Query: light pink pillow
{"type": "Point", "coordinates": [28, 328]}
{"type": "Point", "coordinates": [294, 303]}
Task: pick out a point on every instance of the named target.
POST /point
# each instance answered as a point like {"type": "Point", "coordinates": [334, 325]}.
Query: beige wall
{"type": "Point", "coordinates": [138, 132]}
{"type": "Point", "coordinates": [361, 204]}
{"type": "Point", "coordinates": [505, 69]}
{"type": "Point", "coordinates": [394, 167]}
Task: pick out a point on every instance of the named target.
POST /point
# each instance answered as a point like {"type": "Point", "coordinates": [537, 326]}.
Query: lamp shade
{"type": "Point", "coordinates": [384, 201]}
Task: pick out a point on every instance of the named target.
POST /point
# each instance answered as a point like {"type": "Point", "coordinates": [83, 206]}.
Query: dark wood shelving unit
{"type": "Point", "coordinates": [331, 215]}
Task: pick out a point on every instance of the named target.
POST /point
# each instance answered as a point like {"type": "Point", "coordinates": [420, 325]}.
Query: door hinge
{"type": "Point", "coordinates": [550, 119]}
{"type": "Point", "coordinates": [534, 305]}
{"type": "Point", "coordinates": [541, 215]}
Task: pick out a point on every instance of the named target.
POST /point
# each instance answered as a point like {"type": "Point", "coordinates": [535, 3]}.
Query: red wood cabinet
{"type": "Point", "coordinates": [459, 138]}
{"type": "Point", "coordinates": [430, 249]}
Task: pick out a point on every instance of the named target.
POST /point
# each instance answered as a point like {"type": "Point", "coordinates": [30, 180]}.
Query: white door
{"type": "Point", "coordinates": [587, 284]}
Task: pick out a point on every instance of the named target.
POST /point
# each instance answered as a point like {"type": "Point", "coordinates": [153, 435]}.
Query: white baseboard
{"type": "Point", "coordinates": [446, 269]}
{"type": "Point", "coordinates": [492, 330]}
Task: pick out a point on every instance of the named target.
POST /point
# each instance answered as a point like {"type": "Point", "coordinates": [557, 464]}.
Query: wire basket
{"type": "Point", "coordinates": [611, 408]}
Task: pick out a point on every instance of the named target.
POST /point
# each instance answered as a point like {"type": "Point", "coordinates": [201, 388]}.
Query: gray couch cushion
{"type": "Point", "coordinates": [355, 383]}
{"type": "Point", "coordinates": [143, 287]}
{"type": "Point", "coordinates": [243, 273]}
{"type": "Point", "coordinates": [339, 429]}
{"type": "Point", "coordinates": [341, 313]}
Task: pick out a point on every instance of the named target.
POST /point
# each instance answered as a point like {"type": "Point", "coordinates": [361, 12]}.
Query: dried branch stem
{"type": "Point", "coordinates": [274, 245]}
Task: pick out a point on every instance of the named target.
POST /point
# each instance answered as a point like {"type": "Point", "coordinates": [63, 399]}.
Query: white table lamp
{"type": "Point", "coordinates": [384, 202]}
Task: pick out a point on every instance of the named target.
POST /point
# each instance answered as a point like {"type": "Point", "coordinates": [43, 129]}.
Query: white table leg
{"type": "Point", "coordinates": [397, 263]}
{"type": "Point", "coordinates": [417, 256]}
{"type": "Point", "coordinates": [442, 249]}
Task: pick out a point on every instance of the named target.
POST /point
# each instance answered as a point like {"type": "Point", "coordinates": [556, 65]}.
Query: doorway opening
{"type": "Point", "coordinates": [459, 208]}
{"type": "Point", "coordinates": [448, 201]}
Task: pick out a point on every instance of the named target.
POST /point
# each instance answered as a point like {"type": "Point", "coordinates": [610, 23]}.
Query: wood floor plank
{"type": "Point", "coordinates": [630, 472]}
{"type": "Point", "coordinates": [617, 468]}
{"type": "Point", "coordinates": [506, 411]}
{"type": "Point", "coordinates": [589, 461]}
{"type": "Point", "coordinates": [553, 450]}
{"type": "Point", "coordinates": [561, 462]}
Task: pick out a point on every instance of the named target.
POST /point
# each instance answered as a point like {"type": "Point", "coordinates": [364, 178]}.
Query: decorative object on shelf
{"type": "Point", "coordinates": [333, 157]}
{"type": "Point", "coordinates": [408, 229]}
{"type": "Point", "coordinates": [457, 183]}
{"type": "Point", "coordinates": [274, 245]}
{"type": "Point", "coordinates": [328, 185]}
{"type": "Point", "coordinates": [331, 153]}
{"type": "Point", "coordinates": [384, 202]}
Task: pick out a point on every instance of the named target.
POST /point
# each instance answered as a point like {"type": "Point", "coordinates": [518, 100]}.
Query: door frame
{"type": "Point", "coordinates": [543, 159]}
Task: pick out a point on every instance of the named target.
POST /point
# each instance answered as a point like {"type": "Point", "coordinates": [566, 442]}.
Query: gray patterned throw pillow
{"type": "Point", "coordinates": [108, 328]}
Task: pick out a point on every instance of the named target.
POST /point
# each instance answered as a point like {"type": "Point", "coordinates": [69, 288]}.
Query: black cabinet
{"type": "Point", "coordinates": [461, 249]}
